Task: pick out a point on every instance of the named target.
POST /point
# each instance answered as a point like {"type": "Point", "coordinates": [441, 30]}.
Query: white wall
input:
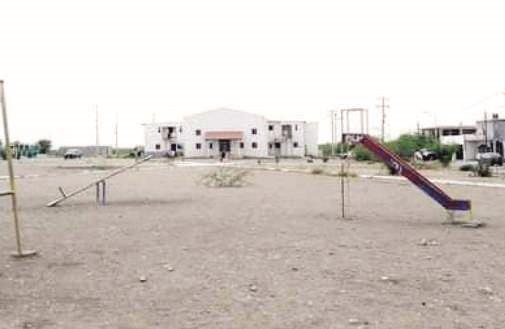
{"type": "Point", "coordinates": [153, 136]}
{"type": "Point", "coordinates": [303, 133]}
{"type": "Point", "coordinates": [288, 148]}
{"type": "Point", "coordinates": [225, 120]}
{"type": "Point", "coordinates": [311, 132]}
{"type": "Point", "coordinates": [457, 139]}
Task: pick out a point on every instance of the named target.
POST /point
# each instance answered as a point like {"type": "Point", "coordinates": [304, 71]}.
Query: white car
{"type": "Point", "coordinates": [492, 158]}
{"type": "Point", "coordinates": [72, 154]}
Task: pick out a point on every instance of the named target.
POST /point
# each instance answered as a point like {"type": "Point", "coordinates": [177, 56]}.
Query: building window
{"type": "Point", "coordinates": [254, 131]}
{"type": "Point", "coordinates": [159, 129]}
{"type": "Point", "coordinates": [241, 145]}
{"type": "Point", "coordinates": [198, 146]}
{"type": "Point", "coordinates": [271, 127]}
{"type": "Point", "coordinates": [450, 132]}
{"type": "Point", "coordinates": [270, 145]}
{"type": "Point", "coordinates": [210, 146]}
{"type": "Point", "coordinates": [296, 127]}
{"type": "Point", "coordinates": [295, 144]}
{"type": "Point", "coordinates": [198, 132]}
{"type": "Point", "coordinates": [180, 130]}
{"type": "Point", "coordinates": [158, 146]}
{"type": "Point", "coordinates": [254, 145]}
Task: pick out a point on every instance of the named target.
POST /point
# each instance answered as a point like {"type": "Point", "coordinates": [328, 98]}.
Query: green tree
{"type": "Point", "coordinates": [44, 146]}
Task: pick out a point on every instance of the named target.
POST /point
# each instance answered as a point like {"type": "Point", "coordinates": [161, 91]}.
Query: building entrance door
{"type": "Point", "coordinates": [224, 145]}
{"type": "Point", "coordinates": [499, 148]}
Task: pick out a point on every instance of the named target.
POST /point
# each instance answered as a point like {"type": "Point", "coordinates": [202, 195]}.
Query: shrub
{"type": "Point", "coordinates": [44, 146]}
{"type": "Point", "coordinates": [445, 153]}
{"type": "Point", "coordinates": [467, 167]}
{"type": "Point", "coordinates": [317, 171]}
{"type": "Point", "coordinates": [483, 170]}
{"type": "Point", "coordinates": [338, 148]}
{"type": "Point", "coordinates": [345, 174]}
{"type": "Point", "coordinates": [407, 144]}
{"type": "Point", "coordinates": [225, 177]}
{"type": "Point", "coordinates": [362, 154]}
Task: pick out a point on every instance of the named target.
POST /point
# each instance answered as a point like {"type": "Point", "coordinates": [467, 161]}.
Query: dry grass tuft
{"type": "Point", "coordinates": [225, 177]}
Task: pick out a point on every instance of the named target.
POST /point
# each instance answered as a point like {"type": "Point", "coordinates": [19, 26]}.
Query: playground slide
{"type": "Point", "coordinates": [406, 170]}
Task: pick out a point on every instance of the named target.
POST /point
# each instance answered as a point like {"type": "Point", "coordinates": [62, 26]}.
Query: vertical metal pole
{"type": "Point", "coordinates": [342, 188]}
{"type": "Point", "coordinates": [361, 114]}
{"type": "Point", "coordinates": [8, 154]}
{"type": "Point", "coordinates": [342, 131]}
{"type": "Point", "coordinates": [103, 192]}
{"type": "Point", "coordinates": [332, 113]}
{"type": "Point", "coordinates": [383, 119]}
{"type": "Point", "coordinates": [116, 132]}
{"type": "Point", "coordinates": [96, 131]}
{"type": "Point", "coordinates": [98, 192]}
{"type": "Point", "coordinates": [367, 131]}
{"type": "Point", "coordinates": [347, 121]}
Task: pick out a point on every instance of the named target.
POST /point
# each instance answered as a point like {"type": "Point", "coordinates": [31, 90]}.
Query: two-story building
{"type": "Point", "coordinates": [235, 133]}
{"type": "Point", "coordinates": [486, 136]}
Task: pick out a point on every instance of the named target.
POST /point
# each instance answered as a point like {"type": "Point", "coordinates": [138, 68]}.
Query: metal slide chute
{"type": "Point", "coordinates": [406, 170]}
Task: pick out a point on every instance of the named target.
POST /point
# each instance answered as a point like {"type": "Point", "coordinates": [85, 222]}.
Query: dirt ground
{"type": "Point", "coordinates": [272, 254]}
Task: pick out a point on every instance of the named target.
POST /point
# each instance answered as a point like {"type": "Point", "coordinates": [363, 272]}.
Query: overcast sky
{"type": "Point", "coordinates": [438, 61]}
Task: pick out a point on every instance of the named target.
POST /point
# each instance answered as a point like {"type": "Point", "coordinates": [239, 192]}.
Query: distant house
{"type": "Point", "coordinates": [234, 133]}
{"type": "Point", "coordinates": [485, 136]}
{"type": "Point", "coordinates": [492, 134]}
{"type": "Point", "coordinates": [456, 135]}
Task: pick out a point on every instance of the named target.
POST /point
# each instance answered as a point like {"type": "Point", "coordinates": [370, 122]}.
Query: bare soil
{"type": "Point", "coordinates": [167, 252]}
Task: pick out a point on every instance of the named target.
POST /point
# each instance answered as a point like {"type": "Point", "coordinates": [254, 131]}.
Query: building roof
{"type": "Point", "coordinates": [450, 127]}
{"type": "Point", "coordinates": [223, 110]}
{"type": "Point", "coordinates": [224, 135]}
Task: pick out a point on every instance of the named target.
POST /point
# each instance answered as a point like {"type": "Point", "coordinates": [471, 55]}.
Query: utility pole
{"type": "Point", "coordinates": [485, 129]}
{"type": "Point", "coordinates": [383, 106]}
{"type": "Point", "coordinates": [332, 113]}
{"type": "Point", "coordinates": [116, 132]}
{"type": "Point", "coordinates": [96, 131]}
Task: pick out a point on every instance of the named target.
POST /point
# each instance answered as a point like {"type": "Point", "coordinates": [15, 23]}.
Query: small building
{"type": "Point", "coordinates": [492, 134]}
{"type": "Point", "coordinates": [235, 133]}
{"type": "Point", "coordinates": [485, 136]}
{"type": "Point", "coordinates": [456, 135]}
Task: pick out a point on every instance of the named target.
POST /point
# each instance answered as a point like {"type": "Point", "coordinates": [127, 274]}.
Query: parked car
{"type": "Point", "coordinates": [425, 155]}
{"type": "Point", "coordinates": [72, 154]}
{"type": "Point", "coordinates": [490, 158]}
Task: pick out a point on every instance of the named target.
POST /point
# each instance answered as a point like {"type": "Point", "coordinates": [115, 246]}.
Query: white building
{"type": "Point", "coordinates": [485, 136]}
{"type": "Point", "coordinates": [455, 135]}
{"type": "Point", "coordinates": [237, 134]}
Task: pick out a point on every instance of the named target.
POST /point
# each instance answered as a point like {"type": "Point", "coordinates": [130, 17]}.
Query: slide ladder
{"type": "Point", "coordinates": [405, 169]}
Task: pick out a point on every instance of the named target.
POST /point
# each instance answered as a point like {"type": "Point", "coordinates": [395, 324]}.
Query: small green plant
{"type": "Point", "coordinates": [467, 167]}
{"type": "Point", "coordinates": [44, 146]}
{"type": "Point", "coordinates": [326, 149]}
{"type": "Point", "coordinates": [225, 177]}
{"type": "Point", "coordinates": [345, 174]}
{"type": "Point", "coordinates": [362, 154]}
{"type": "Point", "coordinates": [317, 171]}
{"type": "Point", "coordinates": [445, 153]}
{"type": "Point", "coordinates": [483, 170]}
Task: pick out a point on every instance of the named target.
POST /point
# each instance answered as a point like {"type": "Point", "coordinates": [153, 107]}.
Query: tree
{"type": "Point", "coordinates": [44, 146]}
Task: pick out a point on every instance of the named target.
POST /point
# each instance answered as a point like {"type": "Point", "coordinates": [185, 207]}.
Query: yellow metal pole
{"type": "Point", "coordinates": [8, 154]}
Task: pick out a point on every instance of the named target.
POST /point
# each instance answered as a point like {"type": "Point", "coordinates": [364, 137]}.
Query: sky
{"type": "Point", "coordinates": [437, 62]}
